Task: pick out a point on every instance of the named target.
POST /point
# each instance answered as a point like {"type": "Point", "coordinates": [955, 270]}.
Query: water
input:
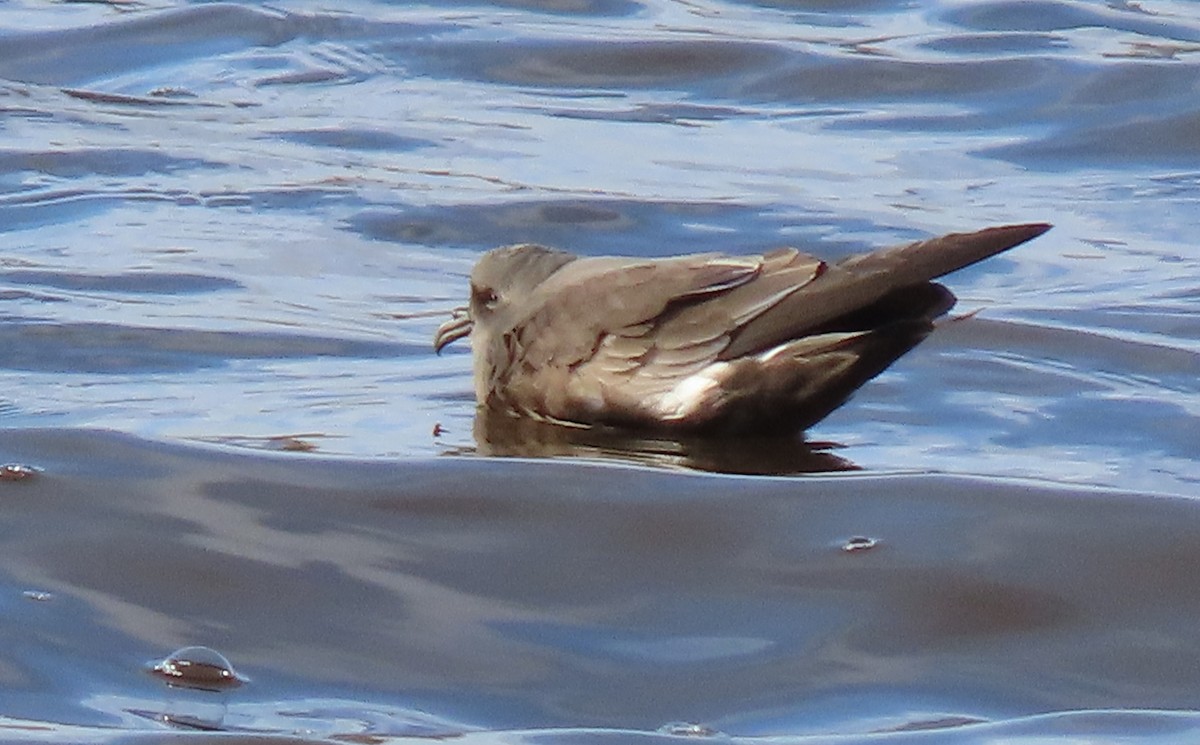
{"type": "Point", "coordinates": [401, 597]}
{"type": "Point", "coordinates": [237, 225]}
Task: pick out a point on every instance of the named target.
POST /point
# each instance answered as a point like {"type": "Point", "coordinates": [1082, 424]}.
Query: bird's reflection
{"type": "Point", "coordinates": [497, 434]}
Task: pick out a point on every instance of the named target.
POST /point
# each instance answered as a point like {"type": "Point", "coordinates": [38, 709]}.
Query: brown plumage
{"type": "Point", "coordinates": [706, 342]}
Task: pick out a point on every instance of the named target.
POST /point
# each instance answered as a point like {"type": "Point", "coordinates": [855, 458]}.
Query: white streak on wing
{"type": "Point", "coordinates": [692, 393]}
{"type": "Point", "coordinates": [808, 344]}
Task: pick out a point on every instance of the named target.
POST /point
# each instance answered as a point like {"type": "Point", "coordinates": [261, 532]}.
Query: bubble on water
{"type": "Point", "coordinates": [198, 679]}
{"type": "Point", "coordinates": [199, 668]}
{"type": "Point", "coordinates": [859, 543]}
{"type": "Point", "coordinates": [688, 729]}
{"type": "Point", "coordinates": [18, 472]}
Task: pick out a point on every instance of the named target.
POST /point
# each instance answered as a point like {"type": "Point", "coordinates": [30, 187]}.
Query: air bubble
{"type": "Point", "coordinates": [859, 543]}
{"type": "Point", "coordinates": [18, 472]}
{"type": "Point", "coordinates": [198, 680]}
{"type": "Point", "coordinates": [199, 668]}
{"type": "Point", "coordinates": [688, 729]}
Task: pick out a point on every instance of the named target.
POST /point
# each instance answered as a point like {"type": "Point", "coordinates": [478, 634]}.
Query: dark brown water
{"type": "Point", "coordinates": [231, 228]}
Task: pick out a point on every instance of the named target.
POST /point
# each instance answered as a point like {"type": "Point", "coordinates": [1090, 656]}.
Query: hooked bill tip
{"type": "Point", "coordinates": [457, 327]}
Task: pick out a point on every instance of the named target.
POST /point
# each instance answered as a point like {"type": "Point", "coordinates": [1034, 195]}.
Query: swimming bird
{"type": "Point", "coordinates": [703, 343]}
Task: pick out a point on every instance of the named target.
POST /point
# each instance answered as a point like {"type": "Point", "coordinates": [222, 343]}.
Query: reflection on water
{"type": "Point", "coordinates": [229, 223]}
{"type": "Point", "coordinates": [506, 436]}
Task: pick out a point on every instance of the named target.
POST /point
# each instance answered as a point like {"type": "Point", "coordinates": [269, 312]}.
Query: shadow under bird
{"type": "Point", "coordinates": [705, 343]}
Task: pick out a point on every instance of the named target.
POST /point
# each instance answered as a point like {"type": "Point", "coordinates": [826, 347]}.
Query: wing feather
{"type": "Point", "coordinates": [576, 310]}
{"type": "Point", "coordinates": [618, 334]}
{"type": "Point", "coordinates": [687, 357]}
{"type": "Point", "coordinates": [783, 273]}
{"type": "Point", "coordinates": [860, 280]}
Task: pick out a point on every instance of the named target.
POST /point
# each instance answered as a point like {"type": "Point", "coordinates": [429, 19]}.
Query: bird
{"type": "Point", "coordinates": [701, 344]}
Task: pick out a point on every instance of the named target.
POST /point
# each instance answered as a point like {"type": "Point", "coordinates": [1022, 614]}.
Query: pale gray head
{"type": "Point", "coordinates": [500, 281]}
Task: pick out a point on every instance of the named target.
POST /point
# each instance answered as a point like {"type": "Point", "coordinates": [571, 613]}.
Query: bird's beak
{"type": "Point", "coordinates": [456, 328]}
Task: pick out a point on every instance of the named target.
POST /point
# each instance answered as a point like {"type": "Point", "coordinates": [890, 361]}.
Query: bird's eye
{"type": "Point", "coordinates": [486, 297]}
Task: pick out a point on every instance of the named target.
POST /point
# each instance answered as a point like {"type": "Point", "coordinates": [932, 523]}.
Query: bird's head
{"type": "Point", "coordinates": [500, 281]}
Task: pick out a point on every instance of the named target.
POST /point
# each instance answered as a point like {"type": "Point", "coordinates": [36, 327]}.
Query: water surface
{"type": "Point", "coordinates": [442, 597]}
{"type": "Point", "coordinates": [229, 228]}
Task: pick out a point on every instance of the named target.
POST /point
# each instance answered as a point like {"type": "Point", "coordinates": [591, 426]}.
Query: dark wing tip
{"type": "Point", "coordinates": [989, 241]}
{"type": "Point", "coordinates": [1015, 235]}
{"type": "Point", "coordinates": [932, 258]}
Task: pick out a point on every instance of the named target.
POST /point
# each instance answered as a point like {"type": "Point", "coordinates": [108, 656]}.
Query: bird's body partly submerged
{"type": "Point", "coordinates": [701, 343]}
